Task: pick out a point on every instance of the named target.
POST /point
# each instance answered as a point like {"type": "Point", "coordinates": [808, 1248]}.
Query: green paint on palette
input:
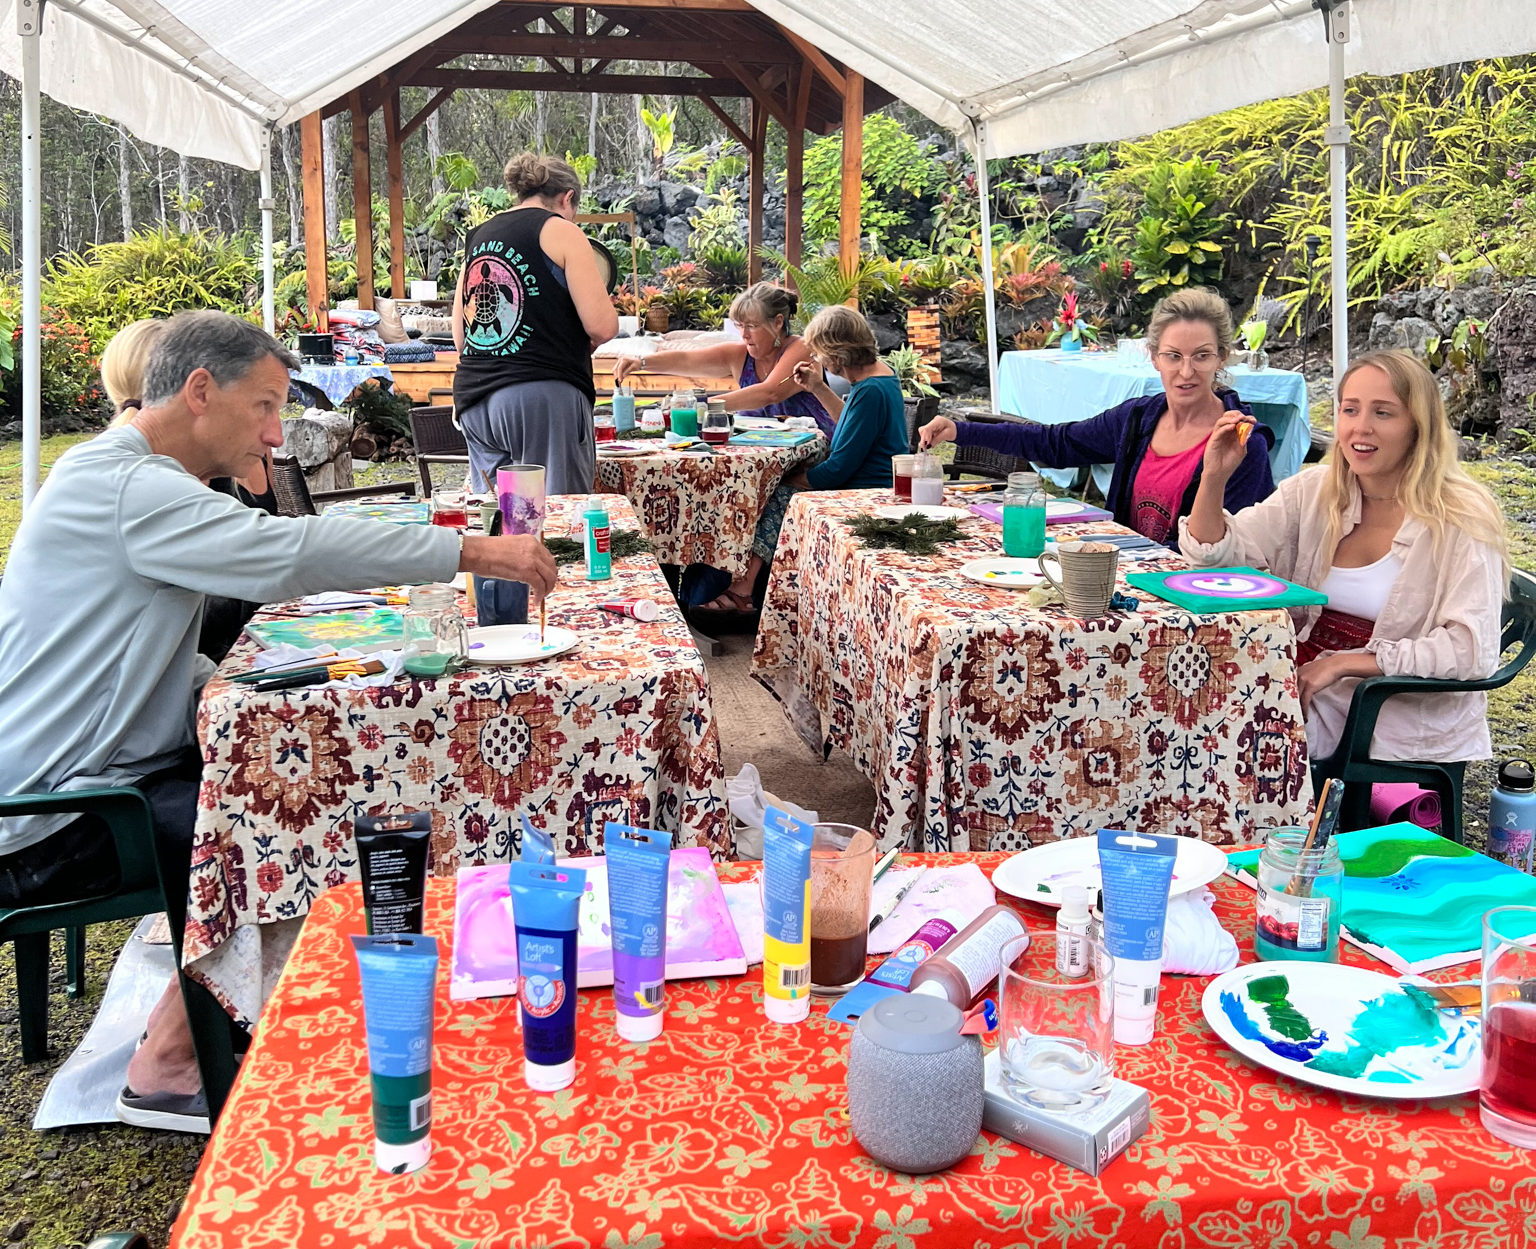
{"type": "Point", "coordinates": [1387, 858]}
{"type": "Point", "coordinates": [1270, 992]}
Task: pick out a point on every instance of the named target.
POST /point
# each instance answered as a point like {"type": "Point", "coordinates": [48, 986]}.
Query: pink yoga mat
{"type": "Point", "coordinates": [1401, 800]}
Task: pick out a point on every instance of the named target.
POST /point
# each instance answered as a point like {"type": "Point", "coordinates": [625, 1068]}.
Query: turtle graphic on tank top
{"type": "Point", "coordinates": [493, 305]}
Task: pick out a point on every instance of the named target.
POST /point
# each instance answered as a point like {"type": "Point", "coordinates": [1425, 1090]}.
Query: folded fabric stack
{"type": "Point", "coordinates": [356, 329]}
{"type": "Point", "coordinates": [408, 353]}
{"type": "Point", "coordinates": [428, 323]}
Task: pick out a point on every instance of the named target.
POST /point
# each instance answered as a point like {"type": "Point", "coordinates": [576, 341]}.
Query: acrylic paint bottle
{"type": "Point", "coordinates": [1072, 927]}
{"type": "Point", "coordinates": [1512, 814]}
{"type": "Point", "coordinates": [596, 535]}
{"type": "Point", "coordinates": [966, 966]}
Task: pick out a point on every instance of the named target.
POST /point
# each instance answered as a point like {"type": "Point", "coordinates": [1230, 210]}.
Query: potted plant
{"type": "Point", "coordinates": [1253, 334]}
{"type": "Point", "coordinates": [1069, 329]}
{"type": "Point", "coordinates": [658, 317]}
{"type": "Point", "coordinates": [907, 364]}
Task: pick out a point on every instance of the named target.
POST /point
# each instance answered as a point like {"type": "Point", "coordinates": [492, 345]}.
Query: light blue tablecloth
{"type": "Point", "coordinates": [1054, 386]}
{"type": "Point", "coordinates": [337, 381]}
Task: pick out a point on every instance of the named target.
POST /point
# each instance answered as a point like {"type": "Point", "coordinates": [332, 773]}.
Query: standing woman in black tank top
{"type": "Point", "coordinates": [527, 312]}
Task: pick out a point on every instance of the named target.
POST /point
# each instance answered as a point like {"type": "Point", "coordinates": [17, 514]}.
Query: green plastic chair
{"type": "Point", "coordinates": [139, 892]}
{"type": "Point", "coordinates": [1352, 762]}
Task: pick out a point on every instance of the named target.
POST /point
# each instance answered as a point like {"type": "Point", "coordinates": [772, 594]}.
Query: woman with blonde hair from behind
{"type": "Point", "coordinates": [1409, 549]}
{"type": "Point", "coordinates": [122, 366]}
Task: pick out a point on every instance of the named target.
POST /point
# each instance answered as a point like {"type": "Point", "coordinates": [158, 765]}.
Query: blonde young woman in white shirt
{"type": "Point", "coordinates": [1410, 550]}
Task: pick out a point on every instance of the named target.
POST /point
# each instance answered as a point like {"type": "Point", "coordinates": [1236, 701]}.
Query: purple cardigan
{"type": "Point", "coordinates": [1121, 436]}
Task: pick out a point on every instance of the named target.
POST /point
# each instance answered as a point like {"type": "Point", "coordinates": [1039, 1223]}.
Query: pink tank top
{"type": "Point", "coordinates": [1159, 490]}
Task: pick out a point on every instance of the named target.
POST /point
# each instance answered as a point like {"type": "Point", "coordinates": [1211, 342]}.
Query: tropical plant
{"type": "Point", "coordinates": [585, 165]}
{"type": "Point", "coordinates": [725, 267]}
{"type": "Point", "coordinates": [663, 131]}
{"type": "Point", "coordinates": [821, 281]}
{"type": "Point", "coordinates": [910, 370]}
{"type": "Point", "coordinates": [1034, 337]}
{"type": "Point", "coordinates": [71, 386]}
{"type": "Point", "coordinates": [382, 412]}
{"type": "Point", "coordinates": [458, 171]}
{"type": "Point", "coordinates": [927, 281]}
{"type": "Point", "coordinates": [1022, 272]}
{"type": "Point", "coordinates": [1069, 325]}
{"type": "Point", "coordinates": [690, 306]}
{"type": "Point", "coordinates": [724, 168]}
{"type": "Point", "coordinates": [898, 175]}
{"type": "Point", "coordinates": [717, 224]}
{"type": "Point", "coordinates": [153, 273]}
{"type": "Point", "coordinates": [1176, 242]}
{"type": "Point", "coordinates": [1111, 283]}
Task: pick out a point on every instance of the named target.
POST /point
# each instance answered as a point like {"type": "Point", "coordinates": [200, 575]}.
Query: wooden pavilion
{"type": "Point", "coordinates": [737, 53]}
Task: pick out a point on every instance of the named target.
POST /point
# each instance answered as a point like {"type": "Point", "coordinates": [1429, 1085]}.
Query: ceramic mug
{"type": "Point", "coordinates": [1087, 575]}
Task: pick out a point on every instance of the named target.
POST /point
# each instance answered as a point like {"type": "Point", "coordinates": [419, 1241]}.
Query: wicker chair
{"type": "Point", "coordinates": [984, 463]}
{"type": "Point", "coordinates": [437, 440]}
{"type": "Point", "coordinates": [294, 497]}
{"type": "Point", "coordinates": [920, 411]}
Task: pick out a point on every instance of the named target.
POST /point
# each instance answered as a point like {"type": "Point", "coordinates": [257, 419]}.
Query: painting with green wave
{"type": "Point", "coordinates": [1412, 898]}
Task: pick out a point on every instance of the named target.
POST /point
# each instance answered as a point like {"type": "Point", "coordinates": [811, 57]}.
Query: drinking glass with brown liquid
{"type": "Point", "coordinates": [842, 878]}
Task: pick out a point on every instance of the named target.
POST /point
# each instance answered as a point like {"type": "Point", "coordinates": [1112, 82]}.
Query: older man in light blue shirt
{"type": "Point", "coordinates": [99, 614]}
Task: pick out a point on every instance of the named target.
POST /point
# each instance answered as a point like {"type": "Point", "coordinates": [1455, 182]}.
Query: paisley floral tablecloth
{"type": "Point", "coordinates": [986, 724]}
{"type": "Point", "coordinates": [731, 1131]}
{"type": "Point", "coordinates": [619, 729]}
{"type": "Point", "coordinates": [703, 509]}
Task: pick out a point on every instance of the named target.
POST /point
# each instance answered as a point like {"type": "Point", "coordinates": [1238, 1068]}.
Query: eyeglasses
{"type": "Point", "coordinates": [1201, 359]}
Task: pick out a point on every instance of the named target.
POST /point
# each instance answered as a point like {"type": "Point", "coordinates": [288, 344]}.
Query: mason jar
{"type": "Point", "coordinates": [1300, 899]}
{"type": "Point", "coordinates": [434, 628]}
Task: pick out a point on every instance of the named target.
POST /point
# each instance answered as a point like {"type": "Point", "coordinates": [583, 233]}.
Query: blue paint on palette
{"type": "Point", "coordinates": [1251, 1030]}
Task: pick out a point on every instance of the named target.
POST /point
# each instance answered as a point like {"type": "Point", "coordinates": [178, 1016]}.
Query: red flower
{"type": "Point", "coordinates": [269, 877]}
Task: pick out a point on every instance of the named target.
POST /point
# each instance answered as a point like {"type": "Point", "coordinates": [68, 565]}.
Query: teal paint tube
{"type": "Point", "coordinates": [399, 975]}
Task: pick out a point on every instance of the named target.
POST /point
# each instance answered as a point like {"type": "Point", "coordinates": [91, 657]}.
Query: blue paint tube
{"type": "Point", "coordinates": [1137, 869]}
{"type": "Point", "coordinates": [538, 846]}
{"type": "Point", "coordinates": [399, 972]}
{"type": "Point", "coordinates": [545, 902]}
{"type": "Point", "coordinates": [786, 917]}
{"type": "Point", "coordinates": [638, 862]}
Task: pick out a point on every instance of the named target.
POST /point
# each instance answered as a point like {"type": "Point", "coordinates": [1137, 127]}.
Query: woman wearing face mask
{"type": "Point", "coordinates": [1410, 551]}
{"type": "Point", "coordinates": [763, 362]}
{"type": "Point", "coordinates": [1156, 442]}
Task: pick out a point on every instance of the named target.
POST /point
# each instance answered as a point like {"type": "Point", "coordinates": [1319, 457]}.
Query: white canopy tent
{"type": "Point", "coordinates": [210, 78]}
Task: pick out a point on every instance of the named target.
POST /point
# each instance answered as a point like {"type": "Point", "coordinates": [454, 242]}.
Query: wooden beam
{"type": "Point", "coordinates": [818, 60]}
{"type": "Point", "coordinates": [759, 92]}
{"type": "Point", "coordinates": [729, 122]}
{"type": "Point", "coordinates": [427, 109]}
{"type": "Point", "coordinates": [616, 48]}
{"type": "Point", "coordinates": [794, 169]}
{"type": "Point", "coordinates": [616, 84]}
{"type": "Point", "coordinates": [756, 151]}
{"type": "Point", "coordinates": [396, 178]}
{"type": "Point", "coordinates": [853, 175]}
{"type": "Point", "coordinates": [719, 6]}
{"type": "Point", "coordinates": [312, 158]}
{"type": "Point", "coordinates": [362, 201]}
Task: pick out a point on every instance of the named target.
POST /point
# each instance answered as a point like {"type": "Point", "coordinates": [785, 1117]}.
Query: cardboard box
{"type": "Point", "coordinates": [1089, 1142]}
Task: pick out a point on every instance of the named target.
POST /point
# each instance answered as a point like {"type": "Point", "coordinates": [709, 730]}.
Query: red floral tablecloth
{"type": "Point", "coordinates": [984, 723]}
{"type": "Point", "coordinates": [703, 509]}
{"type": "Point", "coordinates": [732, 1131]}
{"type": "Point", "coordinates": [619, 729]}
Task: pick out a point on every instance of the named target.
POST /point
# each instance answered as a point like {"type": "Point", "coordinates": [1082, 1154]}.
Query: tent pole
{"type": "Point", "coordinates": [29, 25]}
{"type": "Point", "coordinates": [268, 208]}
{"type": "Point", "coordinates": [984, 197]}
{"type": "Point", "coordinates": [1336, 22]}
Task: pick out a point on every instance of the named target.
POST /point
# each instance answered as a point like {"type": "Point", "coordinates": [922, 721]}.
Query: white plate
{"type": "Point", "coordinates": [928, 511]}
{"type": "Point", "coordinates": [1003, 574]}
{"type": "Point", "coordinates": [1357, 1020]}
{"type": "Point", "coordinates": [1040, 874]}
{"type": "Point", "coordinates": [1062, 507]}
{"type": "Point", "coordinates": [518, 644]}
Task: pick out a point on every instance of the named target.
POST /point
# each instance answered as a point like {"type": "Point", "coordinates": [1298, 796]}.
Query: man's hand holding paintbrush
{"type": "Point", "coordinates": [511, 557]}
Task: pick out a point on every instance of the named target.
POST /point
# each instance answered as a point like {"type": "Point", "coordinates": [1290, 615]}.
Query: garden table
{"type": "Point", "coordinates": [704, 509]}
{"type": "Point", "coordinates": [619, 729]}
{"type": "Point", "coordinates": [1053, 387]}
{"type": "Point", "coordinates": [728, 1130]}
{"type": "Point", "coordinates": [986, 724]}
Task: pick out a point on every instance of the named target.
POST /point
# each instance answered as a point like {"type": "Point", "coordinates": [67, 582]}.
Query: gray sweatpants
{"type": "Point", "coordinates": [547, 422]}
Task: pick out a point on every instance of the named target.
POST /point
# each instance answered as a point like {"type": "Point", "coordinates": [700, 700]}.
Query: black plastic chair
{"type": "Point", "coordinates": [145, 865]}
{"type": "Point", "coordinates": [982, 462]}
{"type": "Point", "coordinates": [1351, 762]}
{"type": "Point", "coordinates": [919, 411]}
{"type": "Point", "coordinates": [295, 499]}
{"type": "Point", "coordinates": [437, 441]}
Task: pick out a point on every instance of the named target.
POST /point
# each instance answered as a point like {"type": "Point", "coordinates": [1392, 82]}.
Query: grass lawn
{"type": "Point", "coordinates": [10, 482]}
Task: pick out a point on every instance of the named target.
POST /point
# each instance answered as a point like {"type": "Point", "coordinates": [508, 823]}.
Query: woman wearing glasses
{"type": "Point", "coordinates": [1157, 442]}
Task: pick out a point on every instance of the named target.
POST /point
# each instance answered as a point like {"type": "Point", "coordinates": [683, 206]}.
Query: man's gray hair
{"type": "Point", "coordinates": [225, 345]}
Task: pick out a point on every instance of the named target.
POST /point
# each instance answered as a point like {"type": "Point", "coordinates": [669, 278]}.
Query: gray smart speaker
{"type": "Point", "coordinates": [915, 1091]}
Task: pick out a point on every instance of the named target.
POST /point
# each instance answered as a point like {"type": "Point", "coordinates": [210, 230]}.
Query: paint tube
{"type": "Point", "coordinates": [786, 917]}
{"type": "Point", "coordinates": [545, 902]}
{"type": "Point", "coordinates": [635, 608]}
{"type": "Point", "coordinates": [1137, 869]}
{"type": "Point", "coordinates": [538, 846]}
{"type": "Point", "coordinates": [895, 974]}
{"type": "Point", "coordinates": [638, 862]}
{"type": "Point", "coordinates": [399, 973]}
{"type": "Point", "coordinates": [392, 854]}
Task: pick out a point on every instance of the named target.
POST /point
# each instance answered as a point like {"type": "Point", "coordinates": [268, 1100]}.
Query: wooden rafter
{"type": "Point", "coordinates": [759, 92]}
{"type": "Point", "coordinates": [617, 48]}
{"type": "Point", "coordinates": [818, 60]}
{"type": "Point", "coordinates": [538, 80]}
{"type": "Point", "coordinates": [728, 122]}
{"type": "Point", "coordinates": [427, 109]}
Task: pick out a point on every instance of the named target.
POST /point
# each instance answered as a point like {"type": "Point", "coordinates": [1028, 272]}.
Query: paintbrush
{"type": "Point", "coordinates": [884, 913]}
{"type": "Point", "coordinates": [1324, 820]}
{"type": "Point", "coordinates": [886, 860]}
{"type": "Point", "coordinates": [328, 672]}
{"type": "Point", "coordinates": [277, 670]}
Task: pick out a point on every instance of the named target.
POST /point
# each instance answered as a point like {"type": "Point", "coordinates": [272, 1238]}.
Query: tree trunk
{"type": "Point", "coordinates": [295, 198]}
{"type": "Point", "coordinates": [540, 118]}
{"type": "Point", "coordinates": [592, 127]}
{"type": "Point", "coordinates": [124, 185]}
{"type": "Point", "coordinates": [435, 152]}
{"type": "Point", "coordinates": [183, 193]}
{"type": "Point", "coordinates": [160, 183]}
{"type": "Point", "coordinates": [329, 130]}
